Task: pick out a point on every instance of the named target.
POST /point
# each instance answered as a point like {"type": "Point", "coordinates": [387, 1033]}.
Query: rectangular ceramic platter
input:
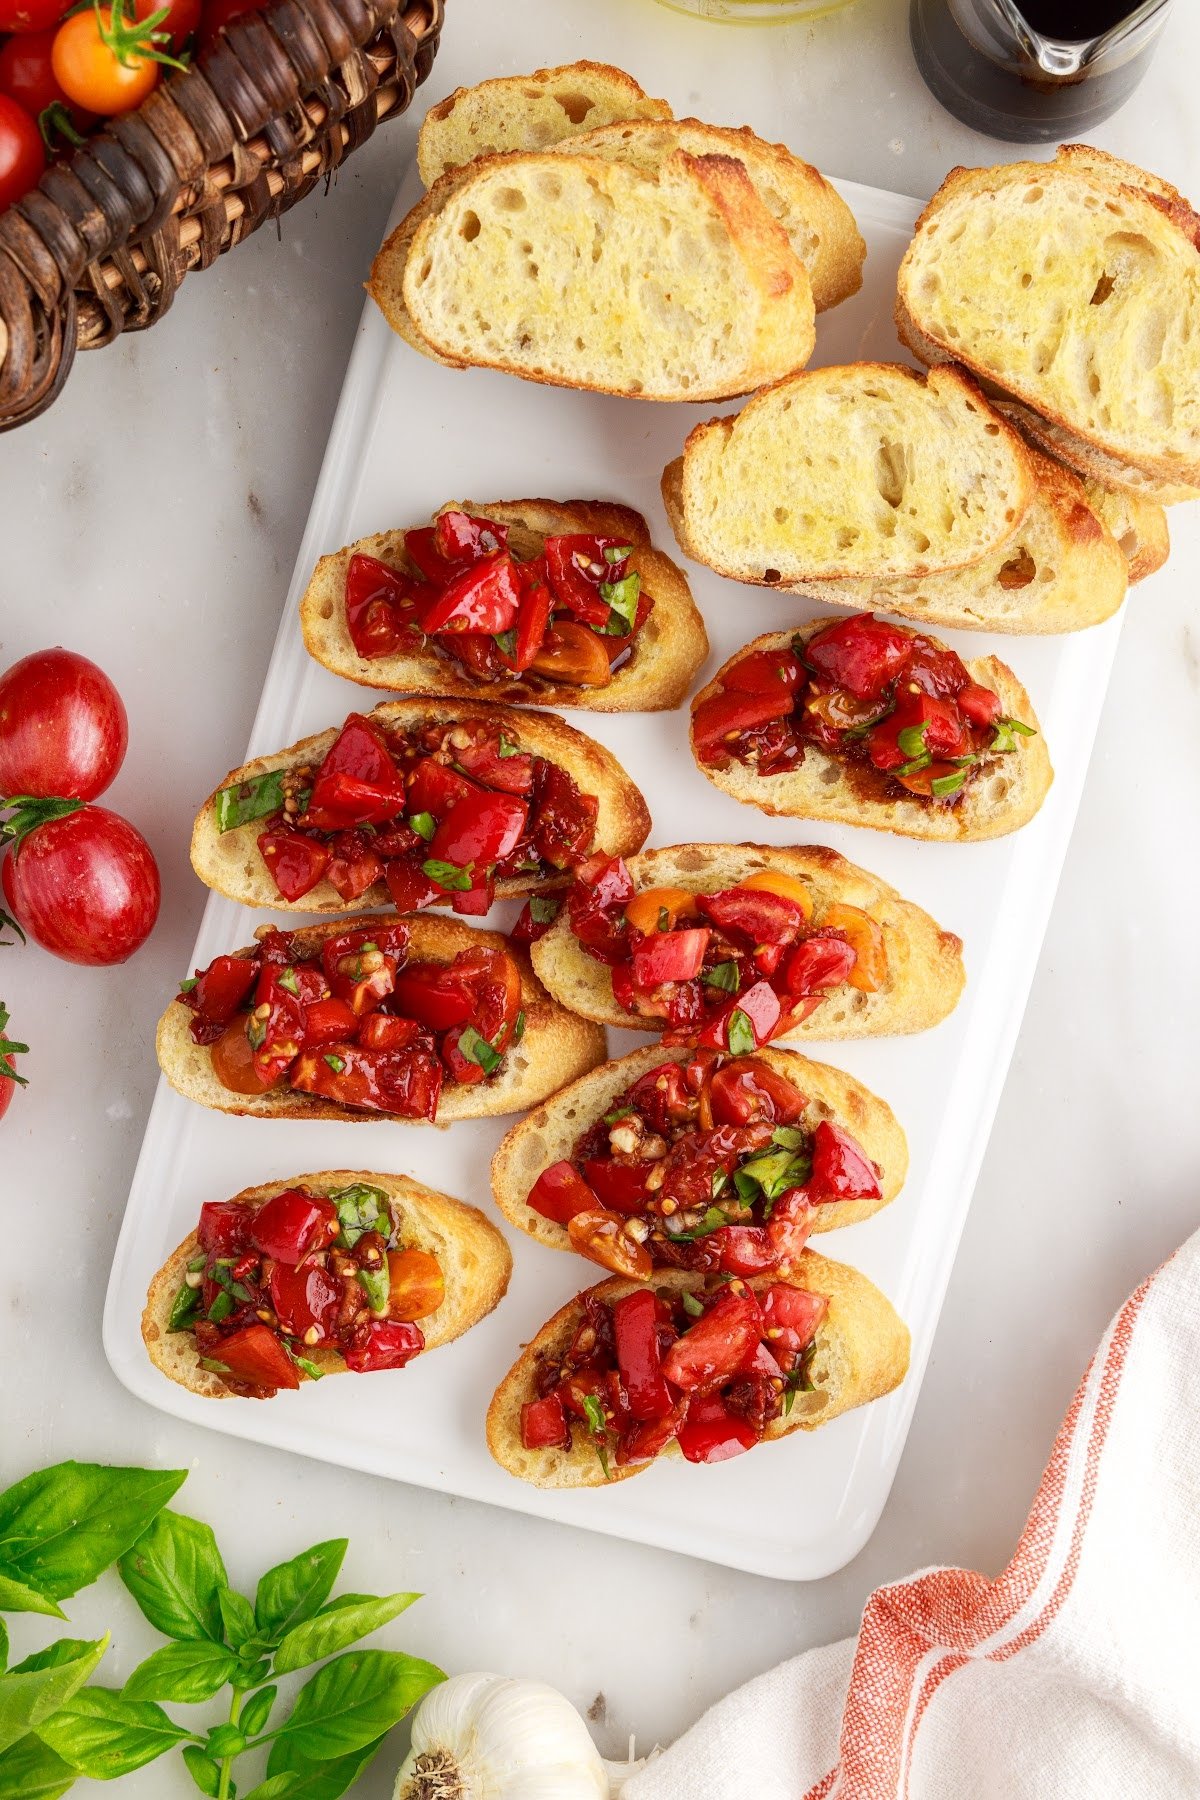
{"type": "Point", "coordinates": [409, 435]}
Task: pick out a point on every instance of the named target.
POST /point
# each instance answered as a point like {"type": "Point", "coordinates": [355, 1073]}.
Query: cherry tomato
{"type": "Point", "coordinates": [63, 728]}
{"type": "Point", "coordinates": [233, 1062]}
{"type": "Point", "coordinates": [84, 886]}
{"type": "Point", "coordinates": [219, 13]}
{"type": "Point", "coordinates": [31, 15]}
{"type": "Point", "coordinates": [181, 22]}
{"type": "Point", "coordinates": [417, 1285]}
{"type": "Point", "coordinates": [92, 73]}
{"type": "Point", "coordinates": [27, 77]}
{"type": "Point", "coordinates": [22, 152]}
{"type": "Point", "coordinates": [9, 1079]}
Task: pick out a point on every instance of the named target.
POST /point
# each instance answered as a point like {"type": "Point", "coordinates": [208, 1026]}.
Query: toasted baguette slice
{"type": "Point", "coordinates": [528, 112]}
{"type": "Point", "coordinates": [866, 472]}
{"type": "Point", "coordinates": [1005, 796]}
{"type": "Point", "coordinates": [862, 1354]}
{"type": "Point", "coordinates": [475, 1261]}
{"type": "Point", "coordinates": [583, 273]}
{"type": "Point", "coordinates": [1061, 570]}
{"type": "Point", "coordinates": [819, 224]}
{"type": "Point", "coordinates": [230, 861]}
{"type": "Point", "coordinates": [1090, 464]}
{"type": "Point", "coordinates": [667, 652]}
{"type": "Point", "coordinates": [925, 969]}
{"type": "Point", "coordinates": [549, 1134]}
{"type": "Point", "coordinates": [556, 1046]}
{"type": "Point", "coordinates": [1074, 287]}
{"type": "Point", "coordinates": [1139, 527]}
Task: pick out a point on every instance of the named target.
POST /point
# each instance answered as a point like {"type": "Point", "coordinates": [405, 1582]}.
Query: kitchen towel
{"type": "Point", "coordinates": [1074, 1676]}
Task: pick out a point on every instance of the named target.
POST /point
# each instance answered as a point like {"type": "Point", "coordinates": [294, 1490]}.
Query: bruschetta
{"type": "Point", "coordinates": [692, 1366]}
{"type": "Point", "coordinates": [319, 1275]}
{"type": "Point", "coordinates": [863, 722]}
{"type": "Point", "coordinates": [421, 1019]}
{"type": "Point", "coordinates": [692, 1159]}
{"type": "Point", "coordinates": [540, 602]}
{"type": "Point", "coordinates": [421, 802]}
{"type": "Point", "coordinates": [728, 946]}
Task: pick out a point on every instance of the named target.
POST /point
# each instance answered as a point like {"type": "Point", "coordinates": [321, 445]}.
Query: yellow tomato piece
{"type": "Point", "coordinates": [788, 886]}
{"type": "Point", "coordinates": [865, 937]}
{"type": "Point", "coordinates": [417, 1284]}
{"type": "Point", "coordinates": [646, 908]}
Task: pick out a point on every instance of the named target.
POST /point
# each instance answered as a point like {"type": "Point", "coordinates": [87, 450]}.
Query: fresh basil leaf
{"type": "Point", "coordinates": [712, 1221]}
{"type": "Point", "coordinates": [225, 1741]}
{"type": "Point", "coordinates": [103, 1735]}
{"type": "Point", "coordinates": [912, 739]}
{"type": "Point", "coordinates": [740, 1036]}
{"type": "Point", "coordinates": [3, 1646]}
{"type": "Point", "coordinates": [203, 1770]}
{"type": "Point", "coordinates": [276, 1787]}
{"type": "Point", "coordinates": [350, 1702]}
{"type": "Point", "coordinates": [719, 1180]}
{"type": "Point", "coordinates": [376, 1284]}
{"type": "Point", "coordinates": [776, 1171]}
{"type": "Point", "coordinates": [448, 875]}
{"type": "Point", "coordinates": [595, 1415]}
{"type": "Point", "coordinates": [221, 1307]}
{"type": "Point", "coordinates": [237, 1617]}
{"type": "Point", "coordinates": [691, 1304]}
{"type": "Point", "coordinates": [914, 765]}
{"type": "Point", "coordinates": [257, 1711]}
{"type": "Point", "coordinates": [337, 1626]}
{"type": "Point", "coordinates": [508, 748]}
{"type": "Point", "coordinates": [424, 824]}
{"type": "Point", "coordinates": [188, 983]}
{"type": "Point", "coordinates": [618, 1112]}
{"type": "Point", "coordinates": [506, 642]}
{"type": "Point", "coordinates": [747, 1188]}
{"type": "Point", "coordinates": [948, 784]}
{"type": "Point", "coordinates": [288, 982]}
{"type": "Point", "coordinates": [63, 1526]}
{"type": "Point", "coordinates": [615, 553]}
{"type": "Point", "coordinates": [176, 1575]}
{"type": "Point", "coordinates": [292, 1591]}
{"type": "Point", "coordinates": [335, 1062]}
{"type": "Point", "coordinates": [185, 1672]}
{"type": "Point", "coordinates": [30, 1770]}
{"type": "Point", "coordinates": [184, 1308]}
{"type": "Point", "coordinates": [18, 1596]}
{"type": "Point", "coordinates": [1005, 733]}
{"type": "Point", "coordinates": [253, 799]}
{"type": "Point", "coordinates": [477, 1049]}
{"type": "Point", "coordinates": [622, 597]}
{"type": "Point", "coordinates": [723, 975]}
{"type": "Point", "coordinates": [314, 1781]}
{"type": "Point", "coordinates": [518, 1030]}
{"type": "Point", "coordinates": [54, 1656]}
{"type": "Point", "coordinates": [313, 1370]}
{"type": "Point", "coordinates": [29, 1695]}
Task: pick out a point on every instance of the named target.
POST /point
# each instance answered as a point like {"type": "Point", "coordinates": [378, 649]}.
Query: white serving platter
{"type": "Point", "coordinates": [410, 434]}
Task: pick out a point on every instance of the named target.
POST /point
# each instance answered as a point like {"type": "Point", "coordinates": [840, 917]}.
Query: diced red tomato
{"type": "Point", "coordinates": [296, 863]}
{"type": "Point", "coordinates": [649, 1438]}
{"type": "Point", "coordinates": [747, 1088]}
{"type": "Point", "coordinates": [276, 1025]}
{"type": "Point", "coordinates": [743, 1249]}
{"type": "Point", "coordinates": [482, 828]}
{"type": "Point", "coordinates": [564, 821]}
{"type": "Point", "coordinates": [639, 1356]}
{"type": "Point", "coordinates": [256, 1356]}
{"type": "Point", "coordinates": [422, 546]}
{"type": "Point", "coordinates": [410, 887]}
{"type": "Point", "coordinates": [354, 865]}
{"type": "Point", "coordinates": [544, 1424]}
{"type": "Point", "coordinates": [759, 1004]}
{"type": "Point", "coordinates": [327, 1021]}
{"type": "Point", "coordinates": [490, 759]}
{"type": "Point", "coordinates": [819, 962]}
{"type": "Point", "coordinates": [381, 607]}
{"type": "Point", "coordinates": [291, 1224]}
{"type": "Point", "coordinates": [340, 801]}
{"type": "Point", "coordinates": [662, 1097]}
{"type": "Point", "coordinates": [602, 1236]}
{"type": "Point", "coordinates": [435, 787]}
{"type": "Point", "coordinates": [715, 1347]}
{"type": "Point", "coordinates": [405, 1082]}
{"type": "Point", "coordinates": [712, 1433]}
{"type": "Point", "coordinates": [765, 672]}
{"type": "Point", "coordinates": [528, 929]}
{"type": "Point", "coordinates": [841, 1169]}
{"type": "Point", "coordinates": [754, 913]}
{"type": "Point", "coordinates": [462, 537]}
{"type": "Point", "coordinates": [224, 1228]}
{"type": "Point", "coordinates": [863, 654]}
{"type": "Point", "coordinates": [560, 1192]}
{"type": "Point", "coordinates": [620, 1186]}
{"type": "Point", "coordinates": [383, 1344]}
{"type": "Point", "coordinates": [792, 1317]}
{"type": "Point", "coordinates": [726, 715]}
{"type": "Point", "coordinates": [791, 1223]}
{"type": "Point", "coordinates": [577, 566]}
{"type": "Point", "coordinates": [978, 705]}
{"type": "Point", "coordinates": [218, 991]}
{"type": "Point", "coordinates": [533, 620]}
{"type": "Point", "coordinates": [431, 994]}
{"type": "Point", "coordinates": [669, 956]}
{"type": "Point", "coordinates": [383, 1031]}
{"type": "Point", "coordinates": [484, 597]}
{"type": "Point", "coordinates": [304, 1298]}
{"type": "Point", "coordinates": [359, 750]}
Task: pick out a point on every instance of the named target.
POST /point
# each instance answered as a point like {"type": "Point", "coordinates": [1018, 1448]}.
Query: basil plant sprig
{"type": "Point", "coordinates": [61, 1528]}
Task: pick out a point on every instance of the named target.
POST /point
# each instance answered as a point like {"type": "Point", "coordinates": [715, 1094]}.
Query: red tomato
{"type": "Point", "coordinates": [639, 1355]}
{"type": "Point", "coordinates": [288, 1225]}
{"type": "Point", "coordinates": [31, 15]}
{"type": "Point", "coordinates": [304, 1298]}
{"type": "Point", "coordinates": [22, 152]}
{"type": "Point", "coordinates": [726, 715]}
{"type": "Point", "coordinates": [482, 828]}
{"type": "Point", "coordinates": [27, 77]}
{"type": "Point", "coordinates": [544, 1424]}
{"type": "Point", "coordinates": [9, 1079]}
{"type": "Point", "coordinates": [256, 1356]}
{"type": "Point", "coordinates": [669, 956]}
{"type": "Point", "coordinates": [716, 1346]}
{"type": "Point", "coordinates": [383, 1344]}
{"type": "Point", "coordinates": [219, 13]}
{"type": "Point", "coordinates": [560, 1192]}
{"type": "Point", "coordinates": [63, 728]}
{"type": "Point", "coordinates": [183, 17]}
{"type": "Point", "coordinates": [224, 1228]}
{"type": "Point", "coordinates": [863, 654]}
{"type": "Point", "coordinates": [764, 672]}
{"type": "Point", "coordinates": [84, 886]}
{"type": "Point", "coordinates": [841, 1168]}
{"type": "Point", "coordinates": [711, 1433]}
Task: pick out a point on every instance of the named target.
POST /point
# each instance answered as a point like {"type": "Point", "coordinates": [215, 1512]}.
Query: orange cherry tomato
{"type": "Point", "coordinates": [644, 911]}
{"type": "Point", "coordinates": [789, 887]}
{"type": "Point", "coordinates": [233, 1061]}
{"type": "Point", "coordinates": [865, 937]}
{"type": "Point", "coordinates": [603, 1236]}
{"type": "Point", "coordinates": [571, 652]}
{"type": "Point", "coordinates": [104, 63]}
{"type": "Point", "coordinates": [417, 1284]}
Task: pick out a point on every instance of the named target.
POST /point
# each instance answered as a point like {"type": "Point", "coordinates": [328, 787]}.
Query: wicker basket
{"type": "Point", "coordinates": [102, 243]}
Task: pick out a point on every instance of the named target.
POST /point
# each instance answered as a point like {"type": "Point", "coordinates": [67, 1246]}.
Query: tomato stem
{"type": "Point", "coordinates": [54, 121]}
{"type": "Point", "coordinates": [25, 813]}
{"type": "Point", "coordinates": [10, 1048]}
{"type": "Point", "coordinates": [129, 37]}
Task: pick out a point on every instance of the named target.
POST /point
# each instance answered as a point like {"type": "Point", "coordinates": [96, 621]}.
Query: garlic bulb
{"type": "Point", "coordinates": [490, 1737]}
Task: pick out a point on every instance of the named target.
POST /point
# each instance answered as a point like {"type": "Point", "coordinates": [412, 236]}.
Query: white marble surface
{"type": "Point", "coordinates": [151, 520]}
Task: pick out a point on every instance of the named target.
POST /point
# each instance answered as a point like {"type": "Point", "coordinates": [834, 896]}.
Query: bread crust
{"type": "Point", "coordinates": [667, 651]}
{"type": "Point", "coordinates": [783, 337]}
{"type": "Point", "coordinates": [230, 861]}
{"type": "Point", "coordinates": [475, 1260]}
{"type": "Point", "coordinates": [1156, 211]}
{"type": "Point", "coordinates": [925, 968]}
{"type": "Point", "coordinates": [547, 1135]}
{"type": "Point", "coordinates": [556, 1047]}
{"type": "Point", "coordinates": [862, 1354]}
{"type": "Point", "coordinates": [991, 805]}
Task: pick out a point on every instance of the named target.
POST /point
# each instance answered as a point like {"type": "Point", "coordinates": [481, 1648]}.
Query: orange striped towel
{"type": "Point", "coordinates": [1074, 1676]}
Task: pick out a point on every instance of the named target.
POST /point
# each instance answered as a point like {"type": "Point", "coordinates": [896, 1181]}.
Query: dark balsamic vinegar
{"type": "Point", "coordinates": [1074, 20]}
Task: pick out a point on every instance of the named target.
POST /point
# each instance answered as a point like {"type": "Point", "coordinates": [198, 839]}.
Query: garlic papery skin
{"type": "Point", "coordinates": [493, 1737]}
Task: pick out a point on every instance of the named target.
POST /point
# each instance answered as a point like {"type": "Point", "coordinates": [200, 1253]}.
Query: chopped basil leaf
{"type": "Point", "coordinates": [254, 799]}
{"type": "Point", "coordinates": [542, 910]}
{"type": "Point", "coordinates": [197, 1263]}
{"type": "Point", "coordinates": [308, 1367]}
{"type": "Point", "coordinates": [184, 1309]}
{"type": "Point", "coordinates": [221, 1307]}
{"type": "Point", "coordinates": [748, 1189]}
{"type": "Point", "coordinates": [519, 1027]}
{"type": "Point", "coordinates": [1005, 733]}
{"type": "Point", "coordinates": [189, 982]}
{"type": "Point", "coordinates": [622, 597]}
{"type": "Point", "coordinates": [616, 553]}
{"type": "Point", "coordinates": [210, 1362]}
{"type": "Point", "coordinates": [712, 1221]}
{"type": "Point", "coordinates": [288, 982]}
{"type": "Point", "coordinates": [360, 1209]}
{"type": "Point", "coordinates": [790, 1136]}
{"type": "Point", "coordinates": [449, 875]}
{"type": "Point", "coordinates": [598, 1428]}
{"type": "Point", "coordinates": [776, 1171]}
{"type": "Point", "coordinates": [508, 748]}
{"type": "Point", "coordinates": [948, 784]}
{"type": "Point", "coordinates": [620, 1112]}
{"type": "Point", "coordinates": [478, 1050]}
{"type": "Point", "coordinates": [723, 975]}
{"type": "Point", "coordinates": [336, 1063]}
{"type": "Point", "coordinates": [424, 824]}
{"type": "Point", "coordinates": [916, 763]}
{"type": "Point", "coordinates": [506, 642]}
{"type": "Point", "coordinates": [719, 1180]}
{"type": "Point", "coordinates": [377, 1287]}
{"type": "Point", "coordinates": [741, 1037]}
{"type": "Point", "coordinates": [691, 1305]}
{"type": "Point", "coordinates": [912, 739]}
